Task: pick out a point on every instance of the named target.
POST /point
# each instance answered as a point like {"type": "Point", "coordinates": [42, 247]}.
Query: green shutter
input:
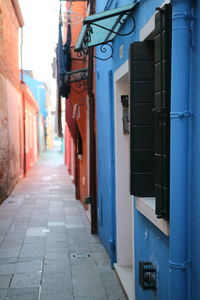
{"type": "Point", "coordinates": [162, 109]}
{"type": "Point", "coordinates": [142, 137]}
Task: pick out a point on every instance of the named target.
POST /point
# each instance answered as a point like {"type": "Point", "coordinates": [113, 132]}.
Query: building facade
{"type": "Point", "coordinates": [10, 96]}
{"type": "Point", "coordinates": [72, 74]}
{"type": "Point", "coordinates": [28, 138]}
{"type": "Point", "coordinates": [147, 142]}
{"type": "Point", "coordinates": [40, 93]}
{"type": "Point", "coordinates": [18, 108]}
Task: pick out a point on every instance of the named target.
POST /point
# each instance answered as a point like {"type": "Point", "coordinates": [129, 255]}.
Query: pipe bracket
{"type": "Point", "coordinates": [182, 15]}
{"type": "Point", "coordinates": [181, 266]}
{"type": "Point", "coordinates": [181, 115]}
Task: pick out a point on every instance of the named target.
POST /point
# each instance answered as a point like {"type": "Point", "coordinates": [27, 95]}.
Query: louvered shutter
{"type": "Point", "coordinates": [162, 109]}
{"type": "Point", "coordinates": [142, 137]}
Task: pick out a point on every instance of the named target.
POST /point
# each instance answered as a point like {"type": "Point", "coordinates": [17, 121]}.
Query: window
{"type": "Point", "coordinates": [150, 69]}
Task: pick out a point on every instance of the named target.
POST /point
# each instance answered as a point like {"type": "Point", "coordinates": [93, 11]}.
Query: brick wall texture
{"type": "Point", "coordinates": [9, 77]}
{"type": "Point", "coordinates": [4, 148]}
{"type": "Point", "coordinates": [9, 54]}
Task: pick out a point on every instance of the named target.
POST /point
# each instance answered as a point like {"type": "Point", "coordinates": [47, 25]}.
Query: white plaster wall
{"type": "Point", "coordinates": [124, 215]}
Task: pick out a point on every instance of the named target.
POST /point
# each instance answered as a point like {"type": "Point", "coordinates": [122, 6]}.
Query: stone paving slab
{"type": "Point", "coordinates": [22, 293]}
{"type": "Point", "coordinates": [5, 280]}
{"type": "Point", "coordinates": [3, 293]}
{"type": "Point", "coordinates": [8, 268]}
{"type": "Point", "coordinates": [46, 249]}
{"type": "Point", "coordinates": [58, 297]}
{"type": "Point", "coordinates": [26, 280]}
{"type": "Point", "coordinates": [29, 267]}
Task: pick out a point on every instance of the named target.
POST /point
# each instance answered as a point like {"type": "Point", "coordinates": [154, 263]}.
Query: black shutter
{"type": "Point", "coordinates": [142, 137]}
{"type": "Point", "coordinates": [162, 109]}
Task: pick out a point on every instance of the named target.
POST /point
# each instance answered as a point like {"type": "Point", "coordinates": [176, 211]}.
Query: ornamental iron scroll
{"type": "Point", "coordinates": [105, 47]}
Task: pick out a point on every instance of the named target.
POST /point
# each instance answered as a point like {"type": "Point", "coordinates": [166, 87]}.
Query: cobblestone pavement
{"type": "Point", "coordinates": [46, 249]}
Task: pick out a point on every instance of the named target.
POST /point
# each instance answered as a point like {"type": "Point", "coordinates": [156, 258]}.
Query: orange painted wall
{"type": "Point", "coordinates": [79, 104]}
{"type": "Point", "coordinates": [9, 56]}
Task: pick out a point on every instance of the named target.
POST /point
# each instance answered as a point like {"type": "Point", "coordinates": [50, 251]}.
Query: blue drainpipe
{"type": "Point", "coordinates": [180, 116]}
{"type": "Point", "coordinates": [112, 169]}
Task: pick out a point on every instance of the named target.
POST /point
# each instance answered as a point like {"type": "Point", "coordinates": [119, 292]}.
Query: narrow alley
{"type": "Point", "coordinates": [46, 249]}
{"type": "Point", "coordinates": [99, 149]}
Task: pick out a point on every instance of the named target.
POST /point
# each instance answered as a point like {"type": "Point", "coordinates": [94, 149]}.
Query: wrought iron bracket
{"type": "Point", "coordinates": [105, 47]}
{"type": "Point", "coordinates": [121, 21]}
{"type": "Point", "coordinates": [77, 79]}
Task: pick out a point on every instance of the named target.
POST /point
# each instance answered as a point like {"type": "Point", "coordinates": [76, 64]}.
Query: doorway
{"type": "Point", "coordinates": [124, 201]}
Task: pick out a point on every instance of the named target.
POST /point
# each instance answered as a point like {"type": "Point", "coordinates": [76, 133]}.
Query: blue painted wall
{"type": "Point", "coordinates": [38, 90]}
{"type": "Point", "coordinates": [39, 93]}
{"type": "Point", "coordinates": [194, 192]}
{"type": "Point", "coordinates": [150, 243]}
{"type": "Point", "coordinates": [105, 150]}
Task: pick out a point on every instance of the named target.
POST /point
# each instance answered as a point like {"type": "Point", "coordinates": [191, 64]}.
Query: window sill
{"type": "Point", "coordinates": [146, 206]}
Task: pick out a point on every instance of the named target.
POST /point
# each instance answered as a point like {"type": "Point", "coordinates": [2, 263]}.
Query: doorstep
{"type": "Point", "coordinates": [125, 275]}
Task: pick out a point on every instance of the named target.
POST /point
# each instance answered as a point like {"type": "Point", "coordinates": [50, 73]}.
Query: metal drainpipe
{"type": "Point", "coordinates": [180, 116]}
{"type": "Point", "coordinates": [92, 136]}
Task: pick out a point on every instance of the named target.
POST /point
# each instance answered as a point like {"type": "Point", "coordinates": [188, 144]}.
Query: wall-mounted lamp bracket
{"type": "Point", "coordinates": [125, 113]}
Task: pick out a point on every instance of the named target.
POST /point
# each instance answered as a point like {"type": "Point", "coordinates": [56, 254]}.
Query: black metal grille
{"type": "Point", "coordinates": [147, 275]}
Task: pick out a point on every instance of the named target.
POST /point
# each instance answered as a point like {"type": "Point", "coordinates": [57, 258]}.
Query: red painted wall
{"type": "Point", "coordinates": [29, 122]}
